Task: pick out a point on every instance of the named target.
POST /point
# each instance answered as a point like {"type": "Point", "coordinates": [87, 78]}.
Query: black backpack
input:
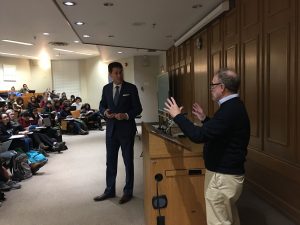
{"type": "Point", "coordinates": [20, 168]}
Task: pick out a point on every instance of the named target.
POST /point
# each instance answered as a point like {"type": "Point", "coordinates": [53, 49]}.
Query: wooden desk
{"type": "Point", "coordinates": [177, 159]}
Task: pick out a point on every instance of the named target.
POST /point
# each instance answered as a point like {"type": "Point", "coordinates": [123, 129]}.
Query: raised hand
{"type": "Point", "coordinates": [198, 112]}
{"type": "Point", "coordinates": [172, 107]}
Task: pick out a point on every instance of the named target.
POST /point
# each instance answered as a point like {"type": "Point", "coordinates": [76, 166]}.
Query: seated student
{"type": "Point", "coordinates": [10, 100]}
{"type": "Point", "coordinates": [45, 99]}
{"type": "Point", "coordinates": [41, 140]}
{"type": "Point", "coordinates": [7, 130]}
{"type": "Point", "coordinates": [63, 97]}
{"type": "Point", "coordinates": [24, 89]}
{"type": "Point", "coordinates": [57, 105]}
{"type": "Point", "coordinates": [78, 125]}
{"type": "Point", "coordinates": [18, 105]}
{"type": "Point", "coordinates": [77, 103]}
{"type": "Point", "coordinates": [32, 104]}
{"type": "Point", "coordinates": [52, 132]}
{"type": "Point", "coordinates": [72, 98]}
{"type": "Point", "coordinates": [13, 91]}
{"type": "Point", "coordinates": [3, 108]}
{"type": "Point", "coordinates": [90, 115]}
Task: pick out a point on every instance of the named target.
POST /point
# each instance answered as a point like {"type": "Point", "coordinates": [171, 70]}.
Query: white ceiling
{"type": "Point", "coordinates": [161, 22]}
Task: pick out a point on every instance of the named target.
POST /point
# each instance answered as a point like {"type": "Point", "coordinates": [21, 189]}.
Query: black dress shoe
{"type": "Point", "coordinates": [125, 198]}
{"type": "Point", "coordinates": [103, 197]}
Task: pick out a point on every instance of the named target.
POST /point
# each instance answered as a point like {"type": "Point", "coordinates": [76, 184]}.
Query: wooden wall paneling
{"type": "Point", "coordinates": [251, 68]}
{"type": "Point", "coordinates": [279, 117]}
{"type": "Point", "coordinates": [298, 83]}
{"type": "Point", "coordinates": [201, 70]}
{"type": "Point", "coordinates": [216, 57]}
{"type": "Point", "coordinates": [187, 90]}
{"type": "Point", "coordinates": [231, 40]}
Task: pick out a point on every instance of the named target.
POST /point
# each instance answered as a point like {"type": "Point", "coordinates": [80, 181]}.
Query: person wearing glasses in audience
{"type": "Point", "coordinates": [225, 137]}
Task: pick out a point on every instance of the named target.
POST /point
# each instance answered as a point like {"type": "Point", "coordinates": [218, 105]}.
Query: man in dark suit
{"type": "Point", "coordinates": [120, 104]}
{"type": "Point", "coordinates": [226, 137]}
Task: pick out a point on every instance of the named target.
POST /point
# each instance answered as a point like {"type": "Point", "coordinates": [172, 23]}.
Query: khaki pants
{"type": "Point", "coordinates": [221, 193]}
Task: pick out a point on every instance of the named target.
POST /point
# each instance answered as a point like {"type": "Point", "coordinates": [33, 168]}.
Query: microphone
{"type": "Point", "coordinates": [171, 122]}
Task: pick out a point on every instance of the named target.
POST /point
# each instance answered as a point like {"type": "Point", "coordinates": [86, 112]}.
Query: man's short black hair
{"type": "Point", "coordinates": [114, 65]}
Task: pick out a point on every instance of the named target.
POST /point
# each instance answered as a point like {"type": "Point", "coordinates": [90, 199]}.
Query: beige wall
{"type": "Point", "coordinates": [146, 69]}
{"type": "Point", "coordinates": [27, 71]}
{"type": "Point", "coordinates": [93, 75]}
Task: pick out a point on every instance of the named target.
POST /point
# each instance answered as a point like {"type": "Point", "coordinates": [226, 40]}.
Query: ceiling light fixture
{"type": "Point", "coordinates": [17, 42]}
{"type": "Point", "coordinates": [46, 34]}
{"type": "Point", "coordinates": [86, 36]}
{"type": "Point", "coordinates": [120, 52]}
{"type": "Point", "coordinates": [6, 53]}
{"type": "Point", "coordinates": [63, 50]}
{"type": "Point", "coordinates": [108, 4]}
{"type": "Point", "coordinates": [224, 6]}
{"type": "Point", "coordinates": [29, 56]}
{"type": "Point", "coordinates": [79, 23]}
{"type": "Point", "coordinates": [68, 3]}
{"type": "Point", "coordinates": [76, 41]}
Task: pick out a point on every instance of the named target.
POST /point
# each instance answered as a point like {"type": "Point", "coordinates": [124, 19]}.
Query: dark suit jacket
{"type": "Point", "coordinates": [129, 102]}
{"type": "Point", "coordinates": [226, 137]}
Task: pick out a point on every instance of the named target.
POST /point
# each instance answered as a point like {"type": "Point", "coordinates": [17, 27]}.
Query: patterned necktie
{"type": "Point", "coordinates": [117, 94]}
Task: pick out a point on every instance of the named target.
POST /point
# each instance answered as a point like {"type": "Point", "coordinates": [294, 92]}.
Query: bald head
{"type": "Point", "coordinates": [230, 79]}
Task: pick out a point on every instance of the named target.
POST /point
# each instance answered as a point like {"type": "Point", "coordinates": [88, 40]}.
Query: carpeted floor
{"type": "Point", "coordinates": [62, 192]}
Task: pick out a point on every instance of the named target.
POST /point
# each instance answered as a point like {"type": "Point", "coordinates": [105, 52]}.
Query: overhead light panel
{"type": "Point", "coordinates": [76, 41]}
{"type": "Point", "coordinates": [223, 7]}
{"type": "Point", "coordinates": [69, 51]}
{"type": "Point", "coordinates": [46, 34]}
{"type": "Point", "coordinates": [17, 42]}
{"type": "Point", "coordinates": [79, 23]}
{"type": "Point", "coordinates": [6, 53]}
{"type": "Point", "coordinates": [86, 36]}
{"type": "Point", "coordinates": [69, 3]}
{"type": "Point", "coordinates": [63, 50]}
{"type": "Point", "coordinates": [120, 52]}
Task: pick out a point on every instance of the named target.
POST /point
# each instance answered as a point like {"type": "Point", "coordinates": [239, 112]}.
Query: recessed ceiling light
{"type": "Point", "coordinates": [46, 34]}
{"type": "Point", "coordinates": [108, 4]}
{"type": "Point", "coordinates": [86, 36]}
{"type": "Point", "coordinates": [76, 41]}
{"type": "Point", "coordinates": [79, 23]}
{"type": "Point", "coordinates": [196, 6]}
{"type": "Point", "coordinates": [120, 52]}
{"type": "Point", "coordinates": [68, 3]}
{"type": "Point", "coordinates": [17, 42]}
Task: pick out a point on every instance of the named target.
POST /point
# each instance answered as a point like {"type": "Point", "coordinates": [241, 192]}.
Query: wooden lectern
{"type": "Point", "coordinates": [181, 165]}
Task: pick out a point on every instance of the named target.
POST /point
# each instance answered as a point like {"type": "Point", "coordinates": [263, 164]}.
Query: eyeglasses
{"type": "Point", "coordinates": [212, 85]}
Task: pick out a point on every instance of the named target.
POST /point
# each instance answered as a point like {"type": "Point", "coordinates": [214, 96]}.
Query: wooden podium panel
{"type": "Point", "coordinates": [181, 165]}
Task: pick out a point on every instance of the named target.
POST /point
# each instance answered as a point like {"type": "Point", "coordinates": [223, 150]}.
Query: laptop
{"type": "Point", "coordinates": [31, 91]}
{"type": "Point", "coordinates": [4, 146]}
{"type": "Point", "coordinates": [47, 122]}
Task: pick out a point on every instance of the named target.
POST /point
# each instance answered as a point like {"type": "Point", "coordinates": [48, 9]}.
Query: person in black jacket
{"type": "Point", "coordinates": [226, 137]}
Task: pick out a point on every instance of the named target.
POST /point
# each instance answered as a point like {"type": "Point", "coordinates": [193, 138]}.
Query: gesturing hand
{"type": "Point", "coordinates": [172, 107]}
{"type": "Point", "coordinates": [198, 111]}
